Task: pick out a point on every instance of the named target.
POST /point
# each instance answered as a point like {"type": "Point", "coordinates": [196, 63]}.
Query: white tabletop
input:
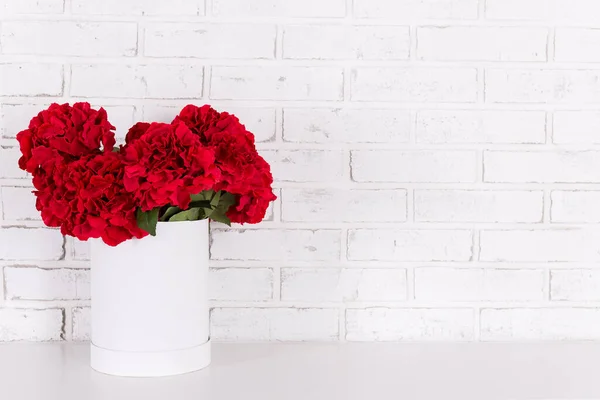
{"type": "Point", "coordinates": [308, 371]}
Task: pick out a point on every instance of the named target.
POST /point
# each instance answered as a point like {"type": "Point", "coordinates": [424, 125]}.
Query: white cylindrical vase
{"type": "Point", "coordinates": [150, 312]}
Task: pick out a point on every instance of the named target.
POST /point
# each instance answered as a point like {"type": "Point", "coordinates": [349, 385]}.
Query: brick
{"type": "Point", "coordinates": [422, 324]}
{"type": "Point", "coordinates": [82, 324]}
{"type": "Point", "coordinates": [540, 324]}
{"type": "Point", "coordinates": [576, 127]}
{"type": "Point", "coordinates": [122, 117]}
{"type": "Point", "coordinates": [341, 42]}
{"type": "Point", "coordinates": [241, 284]}
{"type": "Point", "coordinates": [286, 324]}
{"type": "Point", "coordinates": [542, 167]}
{"type": "Point", "coordinates": [31, 283]}
{"type": "Point", "coordinates": [413, 166]}
{"type": "Point", "coordinates": [305, 165]}
{"type": "Point", "coordinates": [279, 8]}
{"type": "Point", "coordinates": [325, 284]}
{"type": "Point", "coordinates": [9, 163]}
{"type": "Point", "coordinates": [465, 126]}
{"type": "Point", "coordinates": [576, 45]}
{"type": "Point", "coordinates": [482, 44]}
{"type": "Point", "coordinates": [275, 245]}
{"type": "Point", "coordinates": [137, 81]}
{"type": "Point", "coordinates": [97, 39]}
{"type": "Point", "coordinates": [400, 84]}
{"type": "Point", "coordinates": [409, 245]}
{"type": "Point", "coordinates": [18, 204]}
{"type": "Point", "coordinates": [540, 245]}
{"type": "Point", "coordinates": [35, 79]}
{"type": "Point", "coordinates": [565, 11]}
{"type": "Point", "coordinates": [31, 324]}
{"type": "Point", "coordinates": [138, 7]}
{"type": "Point", "coordinates": [478, 284]}
{"type": "Point", "coordinates": [30, 244]}
{"type": "Point", "coordinates": [416, 9]}
{"type": "Point", "coordinates": [258, 120]}
{"type": "Point", "coordinates": [542, 86]}
{"type": "Point", "coordinates": [345, 125]}
{"type": "Point", "coordinates": [478, 206]}
{"type": "Point", "coordinates": [575, 285]}
{"type": "Point", "coordinates": [80, 250]}
{"type": "Point", "coordinates": [575, 206]}
{"type": "Point", "coordinates": [340, 205]}
{"type": "Point", "coordinates": [276, 83]}
{"type": "Point", "coordinates": [8, 7]}
{"type": "Point", "coordinates": [15, 117]}
{"type": "Point", "coordinates": [210, 40]}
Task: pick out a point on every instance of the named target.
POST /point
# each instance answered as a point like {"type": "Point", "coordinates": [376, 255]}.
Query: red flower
{"type": "Point", "coordinates": [86, 198]}
{"type": "Point", "coordinates": [165, 164]}
{"type": "Point", "coordinates": [66, 132]}
{"type": "Point", "coordinates": [243, 171]}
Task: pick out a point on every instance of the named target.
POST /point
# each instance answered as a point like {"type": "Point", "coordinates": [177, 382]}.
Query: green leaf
{"type": "Point", "coordinates": [220, 217]}
{"type": "Point", "coordinates": [203, 195]}
{"type": "Point", "coordinates": [147, 220]}
{"type": "Point", "coordinates": [214, 202]}
{"type": "Point", "coordinates": [193, 214]}
{"type": "Point", "coordinates": [226, 201]}
{"type": "Point", "coordinates": [200, 203]}
{"type": "Point", "coordinates": [169, 213]}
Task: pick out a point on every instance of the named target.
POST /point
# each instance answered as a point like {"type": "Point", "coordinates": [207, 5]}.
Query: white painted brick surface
{"type": "Point", "coordinates": [111, 39]}
{"type": "Point", "coordinates": [540, 324]}
{"type": "Point", "coordinates": [15, 117]}
{"type": "Point", "coordinates": [477, 284]}
{"type": "Point", "coordinates": [241, 284]}
{"type": "Point", "coordinates": [542, 167]}
{"type": "Point", "coordinates": [433, 158]}
{"type": "Point", "coordinates": [482, 44]}
{"type": "Point", "coordinates": [31, 324]}
{"type": "Point", "coordinates": [210, 40]}
{"type": "Point", "coordinates": [30, 244]}
{"type": "Point", "coordinates": [275, 245]}
{"type": "Point", "coordinates": [305, 165]}
{"type": "Point", "coordinates": [478, 206]}
{"type": "Point", "coordinates": [295, 324]}
{"type": "Point", "coordinates": [409, 245]}
{"type": "Point", "coordinates": [422, 324]}
{"type": "Point", "coordinates": [577, 45]}
{"type": "Point", "coordinates": [39, 79]}
{"type": "Point", "coordinates": [438, 85]}
{"type": "Point", "coordinates": [16, 7]}
{"type": "Point", "coordinates": [276, 83]}
{"type": "Point", "coordinates": [18, 204]}
{"type": "Point", "coordinates": [575, 285]}
{"type": "Point", "coordinates": [337, 205]}
{"type": "Point", "coordinates": [416, 9]}
{"type": "Point", "coordinates": [31, 283]}
{"type": "Point", "coordinates": [541, 245]}
{"type": "Point", "coordinates": [138, 7]}
{"type": "Point", "coordinates": [82, 323]}
{"type": "Point", "coordinates": [141, 81]}
{"type": "Point", "coordinates": [494, 127]}
{"type": "Point", "coordinates": [575, 206]}
{"type": "Point", "coordinates": [542, 86]}
{"type": "Point", "coordinates": [414, 166]}
{"type": "Point", "coordinates": [346, 42]}
{"type": "Point", "coordinates": [328, 284]}
{"type": "Point", "coordinates": [338, 125]}
{"type": "Point", "coordinates": [279, 8]}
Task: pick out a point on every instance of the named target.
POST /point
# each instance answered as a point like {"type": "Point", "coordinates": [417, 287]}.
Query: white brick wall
{"type": "Point", "coordinates": [436, 161]}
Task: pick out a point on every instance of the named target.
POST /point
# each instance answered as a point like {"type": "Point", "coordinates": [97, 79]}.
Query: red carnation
{"type": "Point", "coordinates": [165, 164]}
{"type": "Point", "coordinates": [244, 172]}
{"type": "Point", "coordinates": [64, 131]}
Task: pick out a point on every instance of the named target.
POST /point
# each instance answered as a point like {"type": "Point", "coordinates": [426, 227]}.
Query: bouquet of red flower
{"type": "Point", "coordinates": [202, 165]}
